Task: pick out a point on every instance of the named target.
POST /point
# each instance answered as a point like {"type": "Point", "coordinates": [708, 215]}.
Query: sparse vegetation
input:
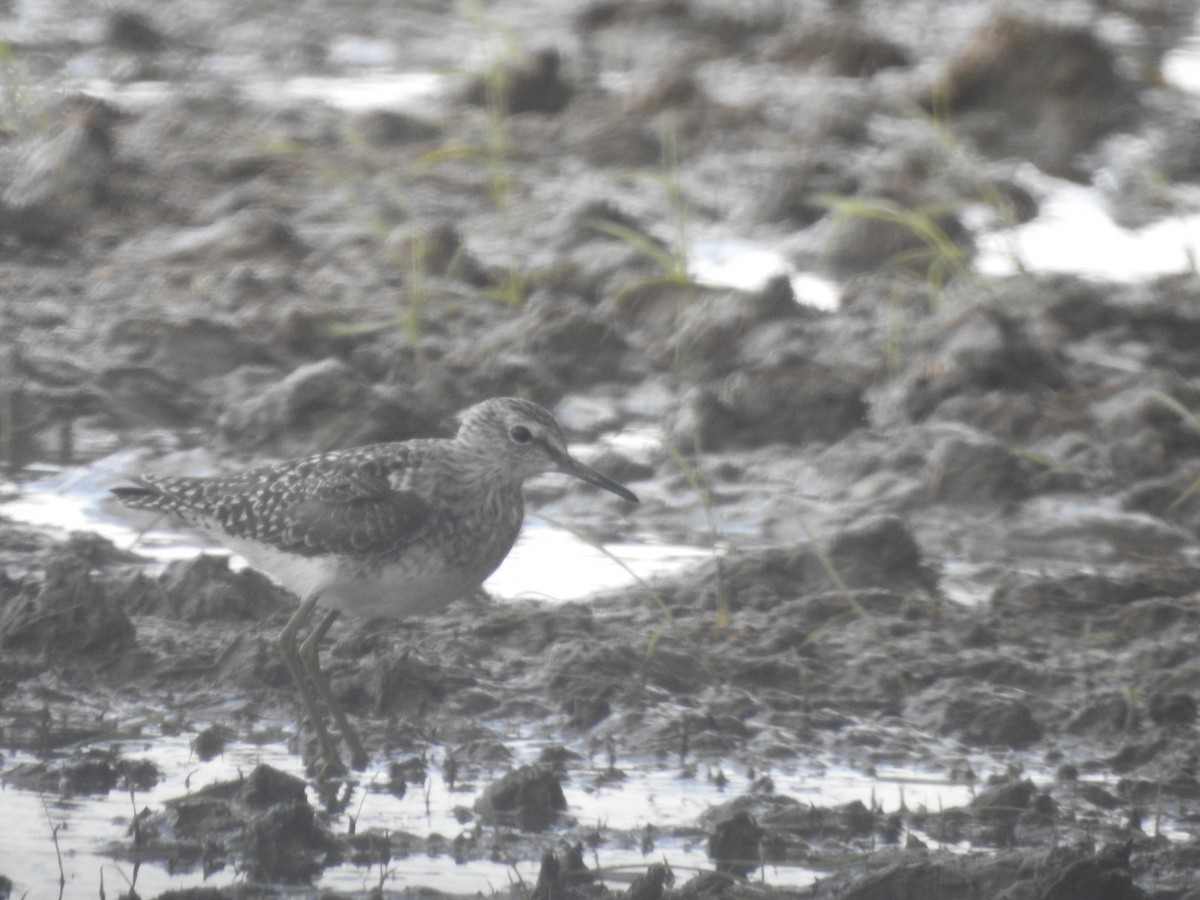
{"type": "Point", "coordinates": [503, 49]}
{"type": "Point", "coordinates": [18, 109]}
{"type": "Point", "coordinates": [938, 254]}
{"type": "Point", "coordinates": [700, 483]}
{"type": "Point", "coordinates": [672, 259]}
{"type": "Point", "coordinates": [1192, 421]}
{"type": "Point", "coordinates": [668, 620]}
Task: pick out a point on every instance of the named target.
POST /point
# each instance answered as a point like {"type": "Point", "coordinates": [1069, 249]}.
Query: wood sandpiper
{"type": "Point", "coordinates": [392, 529]}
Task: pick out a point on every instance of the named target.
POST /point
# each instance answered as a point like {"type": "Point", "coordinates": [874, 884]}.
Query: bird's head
{"type": "Point", "coordinates": [523, 439]}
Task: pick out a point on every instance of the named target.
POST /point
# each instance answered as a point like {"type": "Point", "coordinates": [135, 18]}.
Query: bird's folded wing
{"type": "Point", "coordinates": [354, 513]}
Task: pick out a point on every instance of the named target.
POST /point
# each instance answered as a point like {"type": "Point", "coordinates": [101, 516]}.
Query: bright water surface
{"type": "Point", "coordinates": [663, 798]}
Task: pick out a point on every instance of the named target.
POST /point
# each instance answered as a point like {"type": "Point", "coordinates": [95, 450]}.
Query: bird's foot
{"type": "Point", "coordinates": [326, 762]}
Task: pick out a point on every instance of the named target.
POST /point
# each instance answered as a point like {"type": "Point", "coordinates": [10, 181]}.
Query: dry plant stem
{"type": "Point", "coordinates": [62, 875]}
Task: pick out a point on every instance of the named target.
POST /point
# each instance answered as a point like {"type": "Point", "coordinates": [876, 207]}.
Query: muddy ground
{"type": "Point", "coordinates": [955, 512]}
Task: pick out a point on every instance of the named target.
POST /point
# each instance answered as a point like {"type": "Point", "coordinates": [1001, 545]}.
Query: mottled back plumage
{"type": "Point", "coordinates": [338, 503]}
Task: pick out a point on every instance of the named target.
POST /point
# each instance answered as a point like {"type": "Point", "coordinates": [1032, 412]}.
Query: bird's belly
{"type": "Point", "coordinates": [418, 583]}
{"type": "Point", "coordinates": [398, 589]}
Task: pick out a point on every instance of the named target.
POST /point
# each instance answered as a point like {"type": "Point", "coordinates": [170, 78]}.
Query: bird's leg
{"type": "Point", "coordinates": [291, 658]}
{"type": "Point", "coordinates": [309, 651]}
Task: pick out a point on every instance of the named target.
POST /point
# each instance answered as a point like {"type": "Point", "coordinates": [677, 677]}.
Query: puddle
{"type": "Point", "coordinates": [409, 91]}
{"type": "Point", "coordinates": [554, 565]}
{"type": "Point", "coordinates": [749, 265]}
{"type": "Point", "coordinates": [1181, 66]}
{"type": "Point", "coordinates": [1073, 235]}
{"type": "Point", "coordinates": [91, 827]}
{"type": "Point", "coordinates": [414, 92]}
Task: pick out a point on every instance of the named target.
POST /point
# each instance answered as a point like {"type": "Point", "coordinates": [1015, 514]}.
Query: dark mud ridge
{"type": "Point", "coordinates": [953, 519]}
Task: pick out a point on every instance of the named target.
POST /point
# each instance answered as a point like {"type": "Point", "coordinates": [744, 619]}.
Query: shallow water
{"type": "Point", "coordinates": [748, 265]}
{"type": "Point", "coordinates": [1074, 235]}
{"type": "Point", "coordinates": [620, 810]}
{"type": "Point", "coordinates": [91, 828]}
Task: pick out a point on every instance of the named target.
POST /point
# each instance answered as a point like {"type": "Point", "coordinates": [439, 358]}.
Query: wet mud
{"type": "Point", "coordinates": [954, 519]}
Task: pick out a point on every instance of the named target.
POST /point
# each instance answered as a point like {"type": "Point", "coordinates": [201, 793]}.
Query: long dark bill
{"type": "Point", "coordinates": [571, 466]}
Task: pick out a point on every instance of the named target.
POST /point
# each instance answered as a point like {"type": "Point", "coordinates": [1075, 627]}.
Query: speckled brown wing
{"type": "Point", "coordinates": [338, 503]}
{"type": "Point", "coordinates": [348, 515]}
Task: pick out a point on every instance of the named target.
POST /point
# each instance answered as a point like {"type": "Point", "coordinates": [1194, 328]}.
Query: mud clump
{"type": "Point", "coordinates": [68, 612]}
{"type": "Point", "coordinates": [89, 771]}
{"type": "Point", "coordinates": [264, 821]}
{"type": "Point", "coordinates": [735, 844]}
{"type": "Point", "coordinates": [529, 798]}
{"type": "Point", "coordinates": [1070, 79]}
{"type": "Point", "coordinates": [205, 589]}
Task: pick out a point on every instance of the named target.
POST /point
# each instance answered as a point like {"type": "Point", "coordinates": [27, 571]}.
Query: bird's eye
{"type": "Point", "coordinates": [520, 434]}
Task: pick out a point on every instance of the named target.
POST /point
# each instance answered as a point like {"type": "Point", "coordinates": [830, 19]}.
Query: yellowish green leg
{"type": "Point", "coordinates": [309, 655]}
{"type": "Point", "coordinates": [291, 658]}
